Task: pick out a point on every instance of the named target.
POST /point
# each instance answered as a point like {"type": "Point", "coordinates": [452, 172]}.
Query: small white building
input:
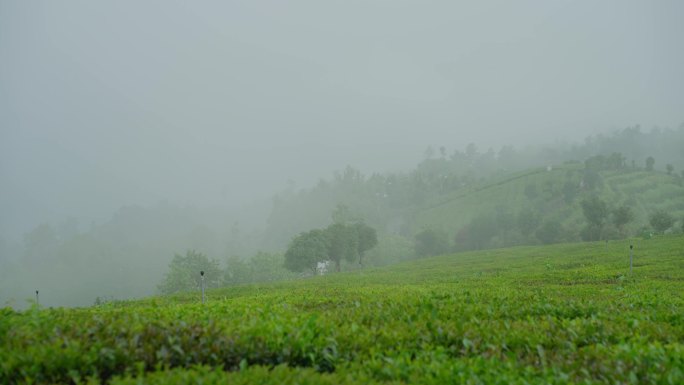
{"type": "Point", "coordinates": [322, 267]}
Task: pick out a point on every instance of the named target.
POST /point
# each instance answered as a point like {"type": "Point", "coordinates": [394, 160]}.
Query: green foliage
{"type": "Point", "coordinates": [344, 215]}
{"type": "Point", "coordinates": [237, 271]}
{"type": "Point", "coordinates": [477, 234]}
{"type": "Point", "coordinates": [531, 191]}
{"type": "Point", "coordinates": [614, 161]}
{"type": "Point", "coordinates": [561, 314]}
{"type": "Point", "coordinates": [267, 267]}
{"type": "Point", "coordinates": [261, 267]}
{"type": "Point", "coordinates": [595, 211]}
{"type": "Point", "coordinates": [367, 239]}
{"type": "Point", "coordinates": [551, 231]}
{"type": "Point", "coordinates": [344, 243]}
{"type": "Point", "coordinates": [661, 221]}
{"type": "Point", "coordinates": [390, 249]}
{"type": "Point", "coordinates": [569, 191]}
{"type": "Point", "coordinates": [527, 221]}
{"type": "Point", "coordinates": [592, 179]}
{"type": "Point", "coordinates": [492, 229]}
{"type": "Point", "coordinates": [184, 273]}
{"type": "Point", "coordinates": [431, 242]}
{"type": "Point", "coordinates": [306, 250]}
{"type": "Point", "coordinates": [622, 215]}
{"type": "Point", "coordinates": [339, 242]}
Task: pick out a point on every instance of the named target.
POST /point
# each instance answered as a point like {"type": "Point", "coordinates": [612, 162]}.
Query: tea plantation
{"type": "Point", "coordinates": [561, 314]}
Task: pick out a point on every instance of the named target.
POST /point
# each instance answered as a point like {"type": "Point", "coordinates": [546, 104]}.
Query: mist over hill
{"type": "Point", "coordinates": [133, 134]}
{"type": "Point", "coordinates": [469, 198]}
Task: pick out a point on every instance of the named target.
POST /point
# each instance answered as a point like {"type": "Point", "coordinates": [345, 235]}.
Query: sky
{"type": "Point", "coordinates": [104, 104]}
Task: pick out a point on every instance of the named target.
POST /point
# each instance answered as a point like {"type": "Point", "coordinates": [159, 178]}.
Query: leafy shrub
{"type": "Point", "coordinates": [431, 242]}
{"type": "Point", "coordinates": [661, 221]}
{"type": "Point", "coordinates": [550, 231]}
{"type": "Point", "coordinates": [562, 314]}
{"type": "Point", "coordinates": [184, 273]}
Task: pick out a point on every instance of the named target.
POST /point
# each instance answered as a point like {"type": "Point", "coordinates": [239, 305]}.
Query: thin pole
{"type": "Point", "coordinates": [631, 257]}
{"type": "Point", "coordinates": [202, 284]}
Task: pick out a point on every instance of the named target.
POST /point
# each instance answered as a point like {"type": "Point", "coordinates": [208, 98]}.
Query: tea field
{"type": "Point", "coordinates": [560, 314]}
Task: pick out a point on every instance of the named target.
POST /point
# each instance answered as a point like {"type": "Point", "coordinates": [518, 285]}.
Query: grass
{"type": "Point", "coordinates": [559, 314]}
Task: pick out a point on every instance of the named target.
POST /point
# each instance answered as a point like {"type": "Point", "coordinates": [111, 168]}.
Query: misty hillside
{"type": "Point", "coordinates": [554, 194]}
{"type": "Point", "coordinates": [462, 200]}
{"type": "Point", "coordinates": [446, 191]}
{"type": "Point", "coordinates": [341, 192]}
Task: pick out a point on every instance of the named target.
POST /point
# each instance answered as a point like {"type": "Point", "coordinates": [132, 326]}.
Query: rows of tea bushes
{"type": "Point", "coordinates": [557, 314]}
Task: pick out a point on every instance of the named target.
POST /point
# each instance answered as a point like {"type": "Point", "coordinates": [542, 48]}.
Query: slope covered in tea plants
{"type": "Point", "coordinates": [556, 195]}
{"type": "Point", "coordinates": [568, 313]}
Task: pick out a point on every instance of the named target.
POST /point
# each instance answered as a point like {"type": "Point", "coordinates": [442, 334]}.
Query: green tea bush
{"type": "Point", "coordinates": [560, 314]}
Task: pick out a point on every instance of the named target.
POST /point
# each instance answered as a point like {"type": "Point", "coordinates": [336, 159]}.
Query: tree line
{"type": "Point", "coordinates": [346, 239]}
{"type": "Point", "coordinates": [335, 243]}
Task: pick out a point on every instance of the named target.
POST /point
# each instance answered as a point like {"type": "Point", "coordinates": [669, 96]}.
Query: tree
{"type": "Point", "coordinates": [595, 211]}
{"type": "Point", "coordinates": [344, 215]}
{"type": "Point", "coordinates": [478, 233]}
{"type": "Point", "coordinates": [237, 271]}
{"type": "Point", "coordinates": [527, 221]}
{"type": "Point", "coordinates": [569, 191]}
{"type": "Point", "coordinates": [650, 161]}
{"type": "Point", "coordinates": [550, 231]}
{"type": "Point", "coordinates": [621, 216]}
{"type": "Point", "coordinates": [367, 239]}
{"type": "Point", "coordinates": [592, 179]}
{"type": "Point", "coordinates": [267, 267]}
{"type": "Point", "coordinates": [184, 273]}
{"type": "Point", "coordinates": [531, 191]}
{"type": "Point", "coordinates": [661, 220]}
{"type": "Point", "coordinates": [343, 243]}
{"type": "Point", "coordinates": [669, 169]}
{"type": "Point", "coordinates": [431, 242]}
{"type": "Point", "coordinates": [306, 250]}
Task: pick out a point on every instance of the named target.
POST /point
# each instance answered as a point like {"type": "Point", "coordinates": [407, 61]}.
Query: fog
{"type": "Point", "coordinates": [220, 105]}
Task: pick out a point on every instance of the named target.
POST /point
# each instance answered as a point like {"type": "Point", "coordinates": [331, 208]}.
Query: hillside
{"type": "Point", "coordinates": [471, 199]}
{"type": "Point", "coordinates": [558, 314]}
{"type": "Point", "coordinates": [556, 194]}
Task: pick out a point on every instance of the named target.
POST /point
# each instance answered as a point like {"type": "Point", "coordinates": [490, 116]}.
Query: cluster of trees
{"type": "Point", "coordinates": [126, 255]}
{"type": "Point", "coordinates": [598, 215]}
{"type": "Point", "coordinates": [183, 273]}
{"type": "Point", "coordinates": [661, 221]}
{"type": "Point", "coordinates": [347, 239]}
{"type": "Point", "coordinates": [501, 228]}
{"type": "Point", "coordinates": [391, 201]}
{"type": "Point", "coordinates": [339, 241]}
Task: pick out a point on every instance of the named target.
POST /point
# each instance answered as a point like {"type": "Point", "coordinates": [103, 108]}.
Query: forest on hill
{"type": "Point", "coordinates": [445, 192]}
{"type": "Point", "coordinates": [452, 200]}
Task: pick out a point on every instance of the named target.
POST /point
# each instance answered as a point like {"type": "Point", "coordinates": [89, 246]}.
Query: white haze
{"type": "Point", "coordinates": [104, 104]}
